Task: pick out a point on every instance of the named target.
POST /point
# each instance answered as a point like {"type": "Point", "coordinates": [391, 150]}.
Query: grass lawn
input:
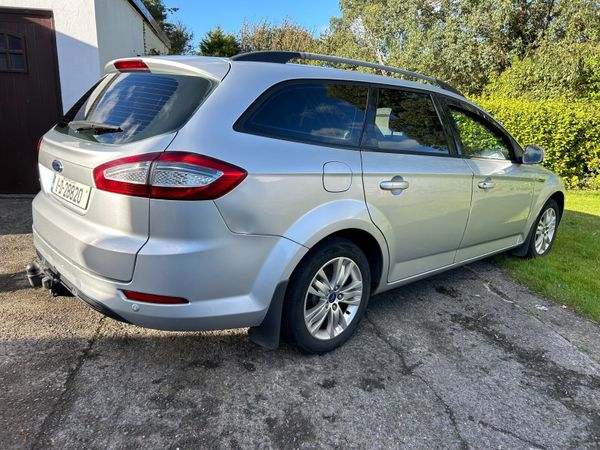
{"type": "Point", "coordinates": [570, 274]}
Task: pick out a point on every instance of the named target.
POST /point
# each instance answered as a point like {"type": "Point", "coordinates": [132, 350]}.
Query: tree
{"type": "Point", "coordinates": [218, 43]}
{"type": "Point", "coordinates": [288, 36]}
{"type": "Point", "coordinates": [180, 37]}
{"type": "Point", "coordinates": [540, 77]}
{"type": "Point", "coordinates": [466, 42]}
{"type": "Point", "coordinates": [158, 10]}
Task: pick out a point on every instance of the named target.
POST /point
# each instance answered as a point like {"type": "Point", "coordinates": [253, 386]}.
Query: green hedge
{"type": "Point", "coordinates": [569, 131]}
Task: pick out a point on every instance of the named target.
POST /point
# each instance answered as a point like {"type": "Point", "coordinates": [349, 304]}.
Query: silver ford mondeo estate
{"type": "Point", "coordinates": [194, 193]}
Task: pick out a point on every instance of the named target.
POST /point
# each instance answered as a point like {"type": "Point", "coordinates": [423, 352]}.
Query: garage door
{"type": "Point", "coordinates": [29, 94]}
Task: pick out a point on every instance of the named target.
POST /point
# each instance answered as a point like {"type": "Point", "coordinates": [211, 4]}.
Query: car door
{"type": "Point", "coordinates": [502, 187]}
{"type": "Point", "coordinates": [417, 190]}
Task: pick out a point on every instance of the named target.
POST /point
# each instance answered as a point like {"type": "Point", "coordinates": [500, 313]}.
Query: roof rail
{"type": "Point", "coordinates": [283, 57]}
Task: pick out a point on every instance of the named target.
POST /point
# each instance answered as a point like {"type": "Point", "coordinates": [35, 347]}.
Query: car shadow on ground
{"type": "Point", "coordinates": [11, 282]}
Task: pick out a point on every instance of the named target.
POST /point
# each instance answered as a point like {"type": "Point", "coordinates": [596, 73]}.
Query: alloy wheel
{"type": "Point", "coordinates": [545, 231]}
{"type": "Point", "coordinates": [333, 298]}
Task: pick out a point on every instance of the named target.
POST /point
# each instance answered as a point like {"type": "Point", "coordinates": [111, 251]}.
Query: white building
{"type": "Point", "coordinates": [51, 52]}
{"type": "Point", "coordinates": [89, 33]}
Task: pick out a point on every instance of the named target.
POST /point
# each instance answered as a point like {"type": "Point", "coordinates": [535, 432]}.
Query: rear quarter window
{"type": "Point", "coordinates": [141, 104]}
{"type": "Point", "coordinates": [320, 112]}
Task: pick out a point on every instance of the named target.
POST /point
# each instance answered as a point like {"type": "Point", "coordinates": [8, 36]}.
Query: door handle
{"type": "Point", "coordinates": [486, 184]}
{"type": "Point", "coordinates": [393, 185]}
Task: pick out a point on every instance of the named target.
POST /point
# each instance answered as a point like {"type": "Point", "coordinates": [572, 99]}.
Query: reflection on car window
{"type": "Point", "coordinates": [406, 121]}
{"type": "Point", "coordinates": [141, 104]}
{"type": "Point", "coordinates": [478, 140]}
{"type": "Point", "coordinates": [318, 112]}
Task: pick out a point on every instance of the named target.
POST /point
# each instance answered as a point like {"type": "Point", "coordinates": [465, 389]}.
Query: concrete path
{"type": "Point", "coordinates": [462, 360]}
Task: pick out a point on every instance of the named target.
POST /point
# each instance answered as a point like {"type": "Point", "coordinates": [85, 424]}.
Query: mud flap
{"type": "Point", "coordinates": [522, 249]}
{"type": "Point", "coordinates": [267, 333]}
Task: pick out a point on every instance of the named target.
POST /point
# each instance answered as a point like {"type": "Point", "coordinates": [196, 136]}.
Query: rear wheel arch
{"type": "Point", "coordinates": [366, 242]}
{"type": "Point", "coordinates": [301, 295]}
{"type": "Point", "coordinates": [267, 334]}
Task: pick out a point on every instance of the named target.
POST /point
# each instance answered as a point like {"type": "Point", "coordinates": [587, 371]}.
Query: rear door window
{"type": "Point", "coordinates": [405, 121]}
{"type": "Point", "coordinates": [141, 105]}
{"type": "Point", "coordinates": [321, 112]}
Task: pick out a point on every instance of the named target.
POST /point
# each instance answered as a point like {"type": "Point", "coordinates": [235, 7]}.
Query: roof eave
{"type": "Point", "coordinates": [139, 6]}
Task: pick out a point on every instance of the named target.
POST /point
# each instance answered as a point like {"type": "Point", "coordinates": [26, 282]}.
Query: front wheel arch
{"type": "Point", "coordinates": [559, 198]}
{"type": "Point", "coordinates": [524, 250]}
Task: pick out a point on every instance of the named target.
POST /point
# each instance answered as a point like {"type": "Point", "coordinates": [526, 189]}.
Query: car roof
{"type": "Point", "coordinates": [299, 71]}
{"type": "Point", "coordinates": [218, 67]}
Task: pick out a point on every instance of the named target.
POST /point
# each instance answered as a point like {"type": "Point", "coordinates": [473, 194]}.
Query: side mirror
{"type": "Point", "coordinates": [533, 154]}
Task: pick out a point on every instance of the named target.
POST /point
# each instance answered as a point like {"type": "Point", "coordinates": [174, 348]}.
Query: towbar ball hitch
{"type": "Point", "coordinates": [34, 275]}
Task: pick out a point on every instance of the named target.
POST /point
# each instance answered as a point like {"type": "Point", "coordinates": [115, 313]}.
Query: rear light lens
{"type": "Point", "coordinates": [171, 176]}
{"type": "Point", "coordinates": [128, 176]}
{"type": "Point", "coordinates": [131, 65]}
{"type": "Point", "coordinates": [39, 144]}
{"type": "Point", "coordinates": [153, 298]}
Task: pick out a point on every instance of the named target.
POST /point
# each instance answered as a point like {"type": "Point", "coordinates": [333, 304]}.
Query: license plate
{"type": "Point", "coordinates": [71, 191]}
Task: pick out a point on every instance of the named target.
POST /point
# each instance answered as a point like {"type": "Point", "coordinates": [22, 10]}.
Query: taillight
{"type": "Point", "coordinates": [131, 65]}
{"type": "Point", "coordinates": [170, 175]}
{"type": "Point", "coordinates": [153, 298]}
{"type": "Point", "coordinates": [39, 144]}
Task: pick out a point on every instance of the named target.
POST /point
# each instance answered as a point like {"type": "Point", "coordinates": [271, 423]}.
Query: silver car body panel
{"type": "Point", "coordinates": [223, 291]}
{"type": "Point", "coordinates": [227, 256]}
{"type": "Point", "coordinates": [105, 237]}
{"type": "Point", "coordinates": [425, 223]}
{"type": "Point", "coordinates": [498, 216]}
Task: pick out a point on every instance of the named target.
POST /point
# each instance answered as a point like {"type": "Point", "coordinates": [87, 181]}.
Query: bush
{"type": "Point", "coordinates": [569, 131]}
{"type": "Point", "coordinates": [569, 71]}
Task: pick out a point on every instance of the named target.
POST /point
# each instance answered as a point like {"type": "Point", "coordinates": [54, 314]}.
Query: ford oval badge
{"type": "Point", "coordinates": [57, 165]}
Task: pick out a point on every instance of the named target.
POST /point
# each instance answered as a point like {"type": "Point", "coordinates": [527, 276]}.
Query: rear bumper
{"type": "Point", "coordinates": [239, 305]}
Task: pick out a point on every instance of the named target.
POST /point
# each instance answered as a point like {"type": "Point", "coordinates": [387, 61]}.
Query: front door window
{"type": "Point", "coordinates": [478, 140]}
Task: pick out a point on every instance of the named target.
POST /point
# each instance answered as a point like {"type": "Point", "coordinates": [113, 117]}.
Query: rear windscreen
{"type": "Point", "coordinates": [140, 105]}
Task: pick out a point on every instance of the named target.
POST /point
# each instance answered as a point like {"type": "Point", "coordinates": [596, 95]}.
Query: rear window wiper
{"type": "Point", "coordinates": [94, 127]}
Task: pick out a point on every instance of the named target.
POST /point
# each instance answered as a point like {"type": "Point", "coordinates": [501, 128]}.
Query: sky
{"type": "Point", "coordinates": [202, 16]}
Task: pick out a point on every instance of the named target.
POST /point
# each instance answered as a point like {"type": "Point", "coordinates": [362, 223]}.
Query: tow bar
{"type": "Point", "coordinates": [39, 278]}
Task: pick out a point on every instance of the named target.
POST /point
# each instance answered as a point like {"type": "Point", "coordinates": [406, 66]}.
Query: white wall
{"type": "Point", "coordinates": [123, 32]}
{"type": "Point", "coordinates": [152, 41]}
{"type": "Point", "coordinates": [120, 30]}
{"type": "Point", "coordinates": [89, 33]}
{"type": "Point", "coordinates": [76, 43]}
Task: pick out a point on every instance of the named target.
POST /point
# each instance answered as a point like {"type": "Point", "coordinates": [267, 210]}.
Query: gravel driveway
{"type": "Point", "coordinates": [467, 359]}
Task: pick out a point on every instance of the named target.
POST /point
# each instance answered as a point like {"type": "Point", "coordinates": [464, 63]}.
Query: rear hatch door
{"type": "Point", "coordinates": [125, 114]}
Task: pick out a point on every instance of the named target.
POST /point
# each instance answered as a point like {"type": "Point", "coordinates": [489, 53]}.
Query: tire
{"type": "Point", "coordinates": [311, 290]}
{"type": "Point", "coordinates": [549, 211]}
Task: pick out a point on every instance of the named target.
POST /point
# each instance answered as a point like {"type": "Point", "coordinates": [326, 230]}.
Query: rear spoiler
{"type": "Point", "coordinates": [213, 68]}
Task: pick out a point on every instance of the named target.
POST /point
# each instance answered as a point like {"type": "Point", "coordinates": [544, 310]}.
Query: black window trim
{"type": "Point", "coordinates": [240, 123]}
{"type": "Point", "coordinates": [477, 114]}
{"type": "Point", "coordinates": [452, 150]}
